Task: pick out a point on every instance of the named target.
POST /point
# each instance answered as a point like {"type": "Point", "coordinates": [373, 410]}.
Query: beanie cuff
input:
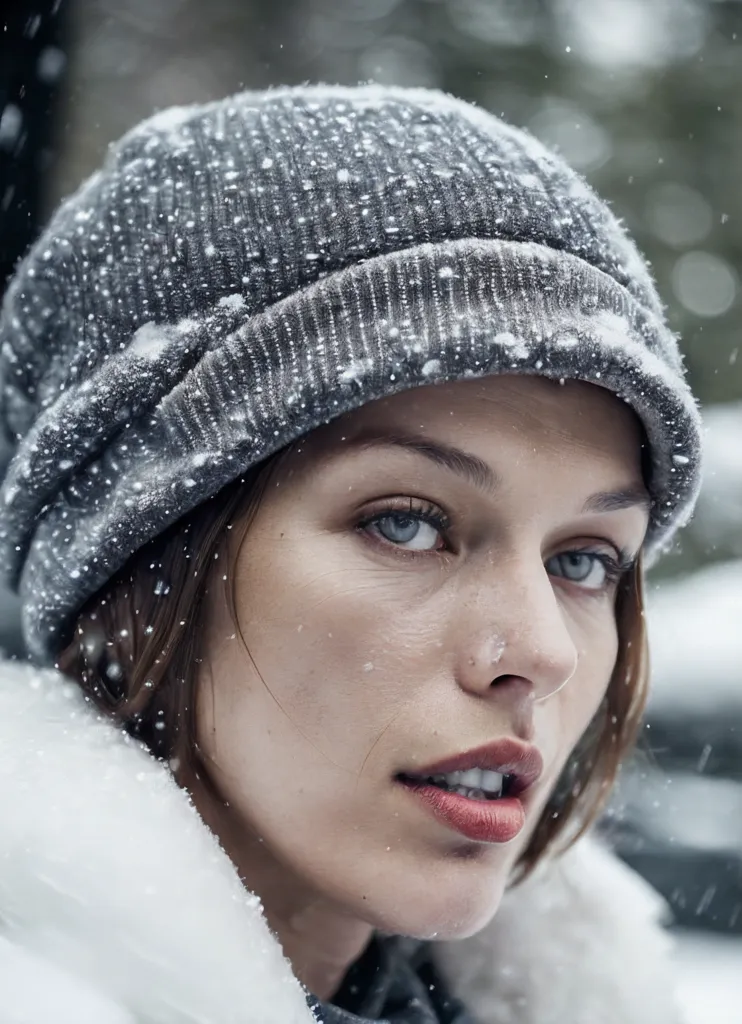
{"type": "Point", "coordinates": [186, 408]}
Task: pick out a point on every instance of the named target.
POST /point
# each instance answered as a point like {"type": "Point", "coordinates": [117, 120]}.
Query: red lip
{"type": "Point", "coordinates": [484, 821]}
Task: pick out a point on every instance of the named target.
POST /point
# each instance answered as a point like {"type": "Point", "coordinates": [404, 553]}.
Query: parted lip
{"type": "Point", "coordinates": [507, 756]}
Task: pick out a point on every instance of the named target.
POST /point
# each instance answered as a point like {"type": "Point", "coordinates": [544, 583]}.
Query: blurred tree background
{"type": "Point", "coordinates": [643, 96]}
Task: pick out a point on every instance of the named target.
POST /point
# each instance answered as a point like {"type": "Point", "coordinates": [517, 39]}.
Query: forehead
{"type": "Point", "coordinates": [574, 419]}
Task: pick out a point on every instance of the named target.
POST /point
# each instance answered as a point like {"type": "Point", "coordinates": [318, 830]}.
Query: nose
{"type": "Point", "coordinates": [514, 635]}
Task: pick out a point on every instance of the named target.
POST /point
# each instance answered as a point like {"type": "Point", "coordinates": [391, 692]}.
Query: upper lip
{"type": "Point", "coordinates": [506, 756]}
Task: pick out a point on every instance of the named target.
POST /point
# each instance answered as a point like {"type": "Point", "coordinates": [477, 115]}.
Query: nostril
{"type": "Point", "coordinates": [513, 681]}
{"type": "Point", "coordinates": [518, 695]}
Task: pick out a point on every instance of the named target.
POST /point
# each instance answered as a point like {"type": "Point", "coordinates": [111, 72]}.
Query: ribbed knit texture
{"type": "Point", "coordinates": [241, 272]}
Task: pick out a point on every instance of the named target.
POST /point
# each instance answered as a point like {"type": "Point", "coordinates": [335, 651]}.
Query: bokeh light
{"type": "Point", "coordinates": [705, 283]}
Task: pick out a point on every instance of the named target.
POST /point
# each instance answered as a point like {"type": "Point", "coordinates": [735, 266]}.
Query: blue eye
{"type": "Point", "coordinates": [408, 529]}
{"type": "Point", "coordinates": [587, 568]}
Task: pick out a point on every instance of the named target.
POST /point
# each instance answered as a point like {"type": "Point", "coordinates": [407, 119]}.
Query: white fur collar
{"type": "Point", "coordinates": [117, 906]}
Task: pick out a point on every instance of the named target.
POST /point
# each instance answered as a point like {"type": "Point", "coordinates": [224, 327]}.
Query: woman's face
{"type": "Point", "coordinates": [425, 577]}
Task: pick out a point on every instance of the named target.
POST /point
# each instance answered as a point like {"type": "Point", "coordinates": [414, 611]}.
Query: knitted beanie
{"type": "Point", "coordinates": [241, 272]}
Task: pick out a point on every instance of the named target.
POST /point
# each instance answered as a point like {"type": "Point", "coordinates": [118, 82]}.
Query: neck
{"type": "Point", "coordinates": [321, 942]}
{"type": "Point", "coordinates": [320, 938]}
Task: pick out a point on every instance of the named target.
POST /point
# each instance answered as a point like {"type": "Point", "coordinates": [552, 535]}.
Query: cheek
{"type": "Point", "coordinates": [344, 676]}
{"type": "Point", "coordinates": [562, 719]}
{"type": "Point", "coordinates": [338, 649]}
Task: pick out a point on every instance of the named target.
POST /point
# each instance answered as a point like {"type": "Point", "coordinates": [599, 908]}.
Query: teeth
{"type": "Point", "coordinates": [477, 780]}
{"type": "Point", "coordinates": [471, 794]}
{"type": "Point", "coordinates": [492, 781]}
{"type": "Point", "coordinates": [472, 778]}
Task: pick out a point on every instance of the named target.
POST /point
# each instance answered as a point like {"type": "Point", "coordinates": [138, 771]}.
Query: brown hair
{"type": "Point", "coordinates": [136, 656]}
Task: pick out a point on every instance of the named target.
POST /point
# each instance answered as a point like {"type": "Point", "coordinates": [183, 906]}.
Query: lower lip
{"type": "Point", "coordinates": [483, 821]}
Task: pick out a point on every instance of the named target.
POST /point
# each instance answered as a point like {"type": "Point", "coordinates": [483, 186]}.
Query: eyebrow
{"type": "Point", "coordinates": [615, 501]}
{"type": "Point", "coordinates": [482, 476]}
{"type": "Point", "coordinates": [471, 468]}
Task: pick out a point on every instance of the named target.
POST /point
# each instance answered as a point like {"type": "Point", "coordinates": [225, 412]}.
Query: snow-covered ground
{"type": "Point", "coordinates": [710, 977]}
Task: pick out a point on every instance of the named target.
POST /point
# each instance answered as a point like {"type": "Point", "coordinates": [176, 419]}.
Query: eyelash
{"type": "Point", "coordinates": [424, 511]}
{"type": "Point", "coordinates": [615, 567]}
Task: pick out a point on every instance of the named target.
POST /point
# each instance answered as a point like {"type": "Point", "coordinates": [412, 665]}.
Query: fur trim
{"type": "Point", "coordinates": [580, 942]}
{"type": "Point", "coordinates": [108, 874]}
{"type": "Point", "coordinates": [117, 905]}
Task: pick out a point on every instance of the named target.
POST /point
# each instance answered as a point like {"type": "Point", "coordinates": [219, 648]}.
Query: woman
{"type": "Point", "coordinates": [344, 421]}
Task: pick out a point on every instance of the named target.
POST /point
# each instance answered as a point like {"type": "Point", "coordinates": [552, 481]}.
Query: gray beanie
{"type": "Point", "coordinates": [239, 273]}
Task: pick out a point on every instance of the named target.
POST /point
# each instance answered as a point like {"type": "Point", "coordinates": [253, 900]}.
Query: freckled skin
{"type": "Point", "coordinates": [366, 660]}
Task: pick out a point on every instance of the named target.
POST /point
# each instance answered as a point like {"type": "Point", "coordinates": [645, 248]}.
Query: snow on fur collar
{"type": "Point", "coordinates": [117, 905]}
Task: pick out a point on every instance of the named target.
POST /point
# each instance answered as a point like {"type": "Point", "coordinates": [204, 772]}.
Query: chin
{"type": "Point", "coordinates": [448, 901]}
